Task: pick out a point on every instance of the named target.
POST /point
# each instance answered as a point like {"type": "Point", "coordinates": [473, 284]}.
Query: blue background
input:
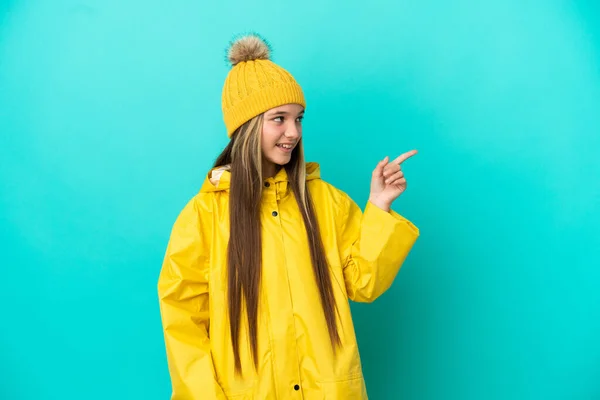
{"type": "Point", "coordinates": [110, 117]}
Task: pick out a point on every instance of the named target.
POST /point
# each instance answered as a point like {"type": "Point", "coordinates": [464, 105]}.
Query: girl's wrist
{"type": "Point", "coordinates": [384, 205]}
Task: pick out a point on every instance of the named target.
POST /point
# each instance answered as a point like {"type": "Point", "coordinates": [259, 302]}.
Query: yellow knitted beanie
{"type": "Point", "coordinates": [255, 84]}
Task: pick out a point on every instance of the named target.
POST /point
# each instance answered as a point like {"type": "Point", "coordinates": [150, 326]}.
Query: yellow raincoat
{"type": "Point", "coordinates": [295, 358]}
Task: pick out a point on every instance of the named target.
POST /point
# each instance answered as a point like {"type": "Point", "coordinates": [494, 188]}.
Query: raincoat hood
{"type": "Point", "coordinates": [219, 179]}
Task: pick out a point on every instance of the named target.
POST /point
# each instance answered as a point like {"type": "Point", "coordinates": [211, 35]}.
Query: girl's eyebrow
{"type": "Point", "coordinates": [284, 113]}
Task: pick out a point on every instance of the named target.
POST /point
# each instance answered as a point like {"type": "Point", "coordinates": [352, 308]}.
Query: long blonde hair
{"type": "Point", "coordinates": [244, 155]}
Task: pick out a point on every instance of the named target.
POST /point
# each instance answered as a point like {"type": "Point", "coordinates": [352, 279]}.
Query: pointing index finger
{"type": "Point", "coordinates": [403, 157]}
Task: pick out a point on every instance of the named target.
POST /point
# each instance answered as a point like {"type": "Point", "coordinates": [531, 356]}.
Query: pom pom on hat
{"type": "Point", "coordinates": [248, 47]}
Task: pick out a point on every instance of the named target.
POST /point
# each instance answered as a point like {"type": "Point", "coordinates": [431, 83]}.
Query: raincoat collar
{"type": "Point", "coordinates": [218, 179]}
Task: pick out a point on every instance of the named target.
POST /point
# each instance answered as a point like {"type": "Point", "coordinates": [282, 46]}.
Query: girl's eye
{"type": "Point", "coordinates": [280, 119]}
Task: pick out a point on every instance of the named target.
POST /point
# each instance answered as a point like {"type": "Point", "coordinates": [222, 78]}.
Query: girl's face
{"type": "Point", "coordinates": [282, 130]}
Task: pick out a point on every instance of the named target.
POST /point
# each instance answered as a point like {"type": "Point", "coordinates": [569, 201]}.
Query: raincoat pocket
{"type": "Point", "coordinates": [244, 395]}
{"type": "Point", "coordinates": [347, 389]}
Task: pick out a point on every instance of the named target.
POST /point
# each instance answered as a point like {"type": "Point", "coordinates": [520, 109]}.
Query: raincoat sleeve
{"type": "Point", "coordinates": [373, 247]}
{"type": "Point", "coordinates": [183, 298]}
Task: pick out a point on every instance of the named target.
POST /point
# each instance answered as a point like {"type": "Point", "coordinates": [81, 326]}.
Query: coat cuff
{"type": "Point", "coordinates": [383, 218]}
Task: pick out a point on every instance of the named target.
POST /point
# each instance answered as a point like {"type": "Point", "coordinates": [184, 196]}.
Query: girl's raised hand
{"type": "Point", "coordinates": [388, 181]}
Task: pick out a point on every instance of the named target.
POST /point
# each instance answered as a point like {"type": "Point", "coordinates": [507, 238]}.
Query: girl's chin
{"type": "Point", "coordinates": [279, 160]}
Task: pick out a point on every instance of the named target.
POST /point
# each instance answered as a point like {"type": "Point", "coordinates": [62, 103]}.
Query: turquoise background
{"type": "Point", "coordinates": [110, 116]}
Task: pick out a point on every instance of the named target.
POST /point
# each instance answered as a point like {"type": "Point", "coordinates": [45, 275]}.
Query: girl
{"type": "Point", "coordinates": [261, 263]}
